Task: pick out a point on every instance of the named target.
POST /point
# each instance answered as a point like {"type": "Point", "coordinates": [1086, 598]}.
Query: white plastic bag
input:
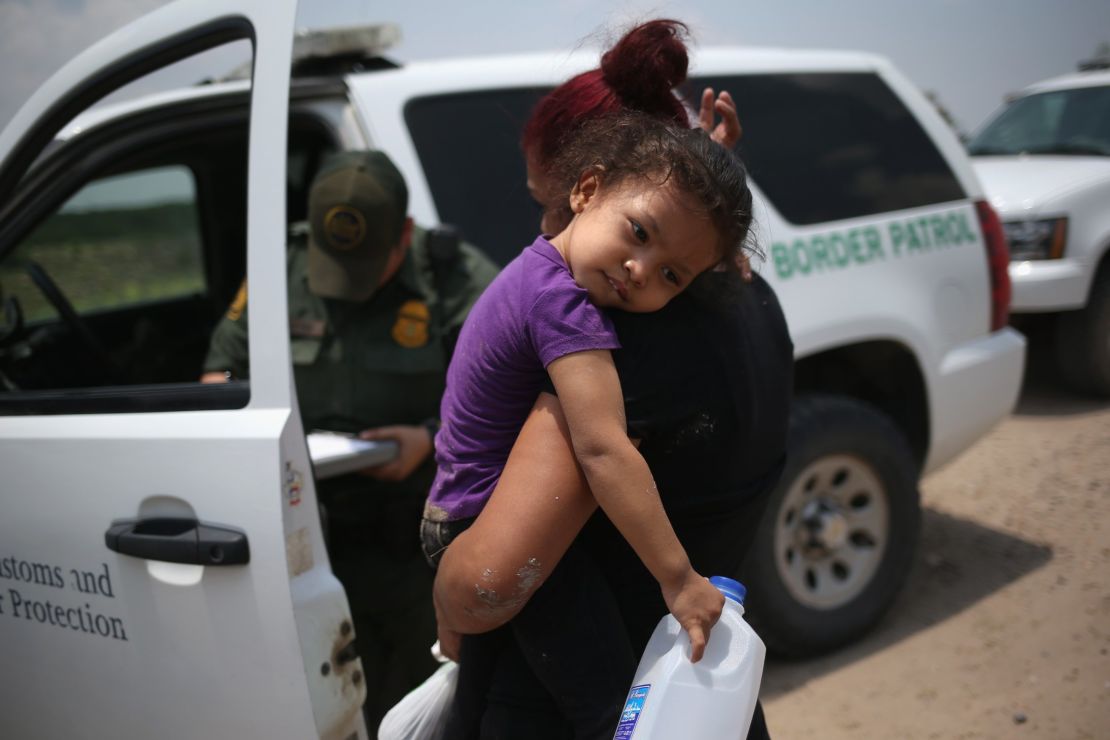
{"type": "Point", "coordinates": [422, 714]}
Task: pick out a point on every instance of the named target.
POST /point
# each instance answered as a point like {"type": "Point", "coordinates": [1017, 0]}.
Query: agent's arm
{"type": "Point", "coordinates": [414, 445]}
{"type": "Point", "coordinates": [228, 351]}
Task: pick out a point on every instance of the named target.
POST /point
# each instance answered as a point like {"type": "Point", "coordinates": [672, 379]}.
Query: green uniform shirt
{"type": "Point", "coordinates": [369, 364]}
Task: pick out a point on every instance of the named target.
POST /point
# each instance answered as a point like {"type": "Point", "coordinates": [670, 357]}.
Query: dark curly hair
{"type": "Point", "coordinates": [637, 145]}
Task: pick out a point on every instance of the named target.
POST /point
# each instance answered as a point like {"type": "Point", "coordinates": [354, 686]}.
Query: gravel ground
{"type": "Point", "coordinates": [1003, 629]}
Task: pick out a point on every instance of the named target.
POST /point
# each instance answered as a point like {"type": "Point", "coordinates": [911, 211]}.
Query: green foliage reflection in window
{"type": "Point", "coordinates": [120, 241]}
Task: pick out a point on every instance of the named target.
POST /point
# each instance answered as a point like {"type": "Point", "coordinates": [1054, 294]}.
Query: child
{"type": "Point", "coordinates": [653, 207]}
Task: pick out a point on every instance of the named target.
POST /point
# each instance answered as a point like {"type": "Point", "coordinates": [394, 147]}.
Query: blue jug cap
{"type": "Point", "coordinates": [731, 588]}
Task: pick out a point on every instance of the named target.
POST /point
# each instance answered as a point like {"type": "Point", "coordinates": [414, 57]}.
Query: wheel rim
{"type": "Point", "coordinates": [832, 531]}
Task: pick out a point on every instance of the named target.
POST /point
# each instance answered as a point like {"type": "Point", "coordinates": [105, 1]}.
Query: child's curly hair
{"type": "Point", "coordinates": [637, 145]}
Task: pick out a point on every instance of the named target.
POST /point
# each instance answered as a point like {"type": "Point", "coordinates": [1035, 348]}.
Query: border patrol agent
{"type": "Point", "coordinates": [375, 307]}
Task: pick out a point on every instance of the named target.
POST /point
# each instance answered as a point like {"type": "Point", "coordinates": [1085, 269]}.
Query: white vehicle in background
{"type": "Point", "coordinates": [1044, 160]}
{"type": "Point", "coordinates": [162, 567]}
{"type": "Point", "coordinates": [888, 261]}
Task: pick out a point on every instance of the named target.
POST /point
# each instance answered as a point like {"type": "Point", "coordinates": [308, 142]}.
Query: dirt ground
{"type": "Point", "coordinates": [1003, 629]}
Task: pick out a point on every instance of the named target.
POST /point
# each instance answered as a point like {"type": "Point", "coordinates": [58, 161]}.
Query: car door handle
{"type": "Point", "coordinates": [178, 540]}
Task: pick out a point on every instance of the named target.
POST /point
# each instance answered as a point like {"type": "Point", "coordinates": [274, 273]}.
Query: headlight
{"type": "Point", "coordinates": [1036, 240]}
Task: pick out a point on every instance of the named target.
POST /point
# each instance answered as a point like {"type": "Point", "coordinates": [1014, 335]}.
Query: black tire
{"type": "Point", "coordinates": [1083, 341]}
{"type": "Point", "coordinates": [840, 530]}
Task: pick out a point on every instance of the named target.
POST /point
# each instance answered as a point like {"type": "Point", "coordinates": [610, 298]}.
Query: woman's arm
{"type": "Point", "coordinates": [542, 501]}
{"type": "Point", "coordinates": [540, 504]}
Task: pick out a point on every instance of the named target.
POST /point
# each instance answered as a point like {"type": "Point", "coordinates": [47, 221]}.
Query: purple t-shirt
{"type": "Point", "coordinates": [532, 314]}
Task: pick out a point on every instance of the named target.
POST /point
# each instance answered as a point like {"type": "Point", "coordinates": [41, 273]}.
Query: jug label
{"type": "Point", "coordinates": [633, 706]}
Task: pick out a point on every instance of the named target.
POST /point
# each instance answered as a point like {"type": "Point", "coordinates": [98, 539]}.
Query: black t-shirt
{"type": "Point", "coordinates": [707, 385]}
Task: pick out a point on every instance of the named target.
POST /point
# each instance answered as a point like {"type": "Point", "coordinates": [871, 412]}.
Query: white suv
{"type": "Point", "coordinates": [1044, 160]}
{"type": "Point", "coordinates": [162, 568]}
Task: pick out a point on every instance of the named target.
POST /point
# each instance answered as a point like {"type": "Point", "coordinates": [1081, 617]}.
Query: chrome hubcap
{"type": "Point", "coordinates": [832, 531]}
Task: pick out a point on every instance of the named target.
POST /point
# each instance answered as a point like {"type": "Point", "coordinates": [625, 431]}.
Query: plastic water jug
{"type": "Point", "coordinates": [713, 699]}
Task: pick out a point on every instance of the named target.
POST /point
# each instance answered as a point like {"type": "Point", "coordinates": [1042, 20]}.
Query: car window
{"type": "Point", "coordinates": [119, 242]}
{"type": "Point", "coordinates": [1073, 121]}
{"type": "Point", "coordinates": [119, 251]}
{"type": "Point", "coordinates": [469, 148]}
{"type": "Point", "coordinates": [830, 146]}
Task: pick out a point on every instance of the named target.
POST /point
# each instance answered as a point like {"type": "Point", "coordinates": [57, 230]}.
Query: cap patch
{"type": "Point", "coordinates": [344, 228]}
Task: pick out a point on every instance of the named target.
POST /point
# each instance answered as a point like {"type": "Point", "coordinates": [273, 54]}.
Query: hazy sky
{"type": "Point", "coordinates": [969, 52]}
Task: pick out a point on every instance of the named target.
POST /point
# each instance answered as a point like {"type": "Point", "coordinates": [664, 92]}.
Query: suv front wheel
{"type": "Point", "coordinates": [840, 529]}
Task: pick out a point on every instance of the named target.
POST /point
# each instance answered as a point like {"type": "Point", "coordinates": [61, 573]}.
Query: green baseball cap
{"type": "Point", "coordinates": [356, 212]}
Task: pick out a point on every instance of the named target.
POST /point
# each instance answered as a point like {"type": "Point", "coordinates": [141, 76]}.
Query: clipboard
{"type": "Point", "coordinates": [335, 453]}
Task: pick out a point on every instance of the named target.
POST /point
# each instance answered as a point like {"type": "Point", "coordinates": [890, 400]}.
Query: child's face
{"type": "Point", "coordinates": [636, 246]}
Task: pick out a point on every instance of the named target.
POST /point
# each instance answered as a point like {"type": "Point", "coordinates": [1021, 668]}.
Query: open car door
{"type": "Point", "coordinates": [162, 568]}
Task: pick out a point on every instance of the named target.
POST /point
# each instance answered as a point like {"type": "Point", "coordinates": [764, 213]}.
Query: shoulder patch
{"type": "Point", "coordinates": [235, 310]}
{"type": "Point", "coordinates": [411, 328]}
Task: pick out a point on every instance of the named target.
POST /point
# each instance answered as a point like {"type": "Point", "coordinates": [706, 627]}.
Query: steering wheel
{"type": "Point", "coordinates": [12, 314]}
{"type": "Point", "coordinates": [73, 320]}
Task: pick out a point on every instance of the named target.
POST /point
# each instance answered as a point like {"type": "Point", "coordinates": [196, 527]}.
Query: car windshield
{"type": "Point", "coordinates": [1075, 121]}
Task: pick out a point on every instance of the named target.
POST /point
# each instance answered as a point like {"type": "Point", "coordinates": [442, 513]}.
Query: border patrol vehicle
{"type": "Point", "coordinates": [162, 567]}
{"type": "Point", "coordinates": [1045, 162]}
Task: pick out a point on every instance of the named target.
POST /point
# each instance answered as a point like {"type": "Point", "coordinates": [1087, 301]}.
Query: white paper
{"type": "Point", "coordinates": [323, 446]}
{"type": "Point", "coordinates": [334, 454]}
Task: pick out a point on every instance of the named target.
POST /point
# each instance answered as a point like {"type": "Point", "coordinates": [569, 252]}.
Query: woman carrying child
{"type": "Point", "coordinates": [546, 498]}
{"type": "Point", "coordinates": [654, 207]}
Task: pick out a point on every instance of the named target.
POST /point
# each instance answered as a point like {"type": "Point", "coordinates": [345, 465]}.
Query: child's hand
{"type": "Point", "coordinates": [697, 605]}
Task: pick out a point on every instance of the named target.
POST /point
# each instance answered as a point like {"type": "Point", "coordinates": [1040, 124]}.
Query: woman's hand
{"type": "Point", "coordinates": [727, 132]}
{"type": "Point", "coordinates": [745, 266]}
{"type": "Point", "coordinates": [449, 640]}
{"type": "Point", "coordinates": [696, 604]}
{"type": "Point", "coordinates": [414, 444]}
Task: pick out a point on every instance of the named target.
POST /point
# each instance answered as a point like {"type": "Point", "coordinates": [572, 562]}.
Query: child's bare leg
{"type": "Point", "coordinates": [537, 509]}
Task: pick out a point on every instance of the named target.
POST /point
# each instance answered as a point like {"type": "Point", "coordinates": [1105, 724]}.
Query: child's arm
{"type": "Point", "coordinates": [590, 394]}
